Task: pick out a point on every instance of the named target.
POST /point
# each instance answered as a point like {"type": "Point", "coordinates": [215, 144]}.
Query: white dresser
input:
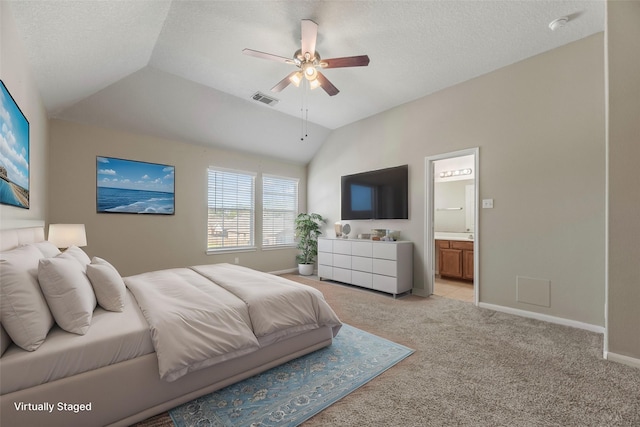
{"type": "Point", "coordinates": [383, 266]}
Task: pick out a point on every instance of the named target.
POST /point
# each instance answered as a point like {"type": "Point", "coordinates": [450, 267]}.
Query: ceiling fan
{"type": "Point", "coordinates": [308, 60]}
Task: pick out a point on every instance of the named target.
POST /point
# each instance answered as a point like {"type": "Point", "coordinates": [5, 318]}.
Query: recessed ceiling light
{"type": "Point", "coordinates": [558, 23]}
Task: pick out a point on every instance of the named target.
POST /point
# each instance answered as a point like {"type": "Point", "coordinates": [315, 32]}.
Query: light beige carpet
{"type": "Point", "coordinates": [475, 367]}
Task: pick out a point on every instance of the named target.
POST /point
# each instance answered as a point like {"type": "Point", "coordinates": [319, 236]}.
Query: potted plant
{"type": "Point", "coordinates": [307, 232]}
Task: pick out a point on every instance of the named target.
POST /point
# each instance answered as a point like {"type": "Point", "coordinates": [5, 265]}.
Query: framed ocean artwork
{"type": "Point", "coordinates": [14, 152]}
{"type": "Point", "coordinates": [134, 187]}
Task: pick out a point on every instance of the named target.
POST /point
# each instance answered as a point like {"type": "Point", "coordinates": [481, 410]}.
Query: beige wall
{"type": "Point", "coordinates": [16, 75]}
{"type": "Point", "coordinates": [539, 126]}
{"type": "Point", "coordinates": [138, 243]}
{"type": "Point", "coordinates": [623, 48]}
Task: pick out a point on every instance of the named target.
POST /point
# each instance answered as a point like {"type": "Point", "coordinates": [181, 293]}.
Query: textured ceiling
{"type": "Point", "coordinates": [175, 69]}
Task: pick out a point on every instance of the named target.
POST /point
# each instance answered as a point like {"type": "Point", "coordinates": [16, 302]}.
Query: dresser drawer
{"type": "Point", "coordinates": [341, 275]}
{"type": "Point", "coordinates": [325, 272]}
{"type": "Point", "coordinates": [342, 247]}
{"type": "Point", "coordinates": [385, 284]}
{"type": "Point", "coordinates": [385, 251]}
{"type": "Point", "coordinates": [385, 267]}
{"type": "Point", "coordinates": [362, 279]}
{"type": "Point", "coordinates": [325, 245]}
{"type": "Point", "coordinates": [342, 261]}
{"type": "Point", "coordinates": [361, 263]}
{"type": "Point", "coordinates": [363, 249]}
{"type": "Point", "coordinates": [325, 258]}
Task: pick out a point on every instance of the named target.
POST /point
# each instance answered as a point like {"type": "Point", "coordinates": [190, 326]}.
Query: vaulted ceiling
{"type": "Point", "coordinates": [175, 68]}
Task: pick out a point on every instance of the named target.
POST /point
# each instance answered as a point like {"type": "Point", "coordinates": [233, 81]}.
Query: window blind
{"type": "Point", "coordinates": [279, 210]}
{"type": "Point", "coordinates": [231, 210]}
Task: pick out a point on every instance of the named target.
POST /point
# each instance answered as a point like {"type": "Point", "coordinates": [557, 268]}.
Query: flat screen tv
{"type": "Point", "coordinates": [378, 194]}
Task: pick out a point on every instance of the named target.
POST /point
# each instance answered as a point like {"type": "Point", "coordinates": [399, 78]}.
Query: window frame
{"type": "Point", "coordinates": [294, 211]}
{"type": "Point", "coordinates": [251, 246]}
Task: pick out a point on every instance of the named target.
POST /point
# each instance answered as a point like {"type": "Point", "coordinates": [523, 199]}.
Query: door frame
{"type": "Point", "coordinates": [429, 209]}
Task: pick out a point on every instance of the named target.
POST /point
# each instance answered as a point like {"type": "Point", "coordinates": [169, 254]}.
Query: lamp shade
{"type": "Point", "coordinates": [66, 235]}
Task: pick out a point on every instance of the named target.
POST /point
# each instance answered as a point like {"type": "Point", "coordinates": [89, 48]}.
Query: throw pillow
{"type": "Point", "coordinates": [24, 313]}
{"type": "Point", "coordinates": [68, 293]}
{"type": "Point", "coordinates": [107, 284]}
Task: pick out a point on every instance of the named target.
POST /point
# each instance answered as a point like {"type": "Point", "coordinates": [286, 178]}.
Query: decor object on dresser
{"type": "Point", "coordinates": [14, 168]}
{"type": "Point", "coordinates": [338, 229]}
{"type": "Point", "coordinates": [294, 392]}
{"type": "Point", "coordinates": [378, 265]}
{"type": "Point", "coordinates": [133, 187]}
{"type": "Point", "coordinates": [307, 232]}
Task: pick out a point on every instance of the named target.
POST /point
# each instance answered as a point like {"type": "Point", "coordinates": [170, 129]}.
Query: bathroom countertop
{"type": "Point", "coordinates": [448, 235]}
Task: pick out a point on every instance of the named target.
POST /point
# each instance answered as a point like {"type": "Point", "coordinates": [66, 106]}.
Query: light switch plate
{"type": "Point", "coordinates": [487, 203]}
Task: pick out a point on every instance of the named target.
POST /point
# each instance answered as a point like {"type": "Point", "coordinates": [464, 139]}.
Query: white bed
{"type": "Point", "coordinates": [114, 365]}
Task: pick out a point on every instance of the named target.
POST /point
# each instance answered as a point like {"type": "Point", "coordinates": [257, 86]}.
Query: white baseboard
{"type": "Point", "coordinates": [544, 317]}
{"type": "Point", "coordinates": [625, 360]}
{"type": "Point", "coordinates": [419, 292]}
{"type": "Point", "coordinates": [279, 272]}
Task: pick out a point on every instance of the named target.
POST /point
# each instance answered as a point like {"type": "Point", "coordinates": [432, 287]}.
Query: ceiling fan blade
{"type": "Point", "coordinates": [347, 61]}
{"type": "Point", "coordinates": [309, 35]}
{"type": "Point", "coordinates": [283, 83]}
{"type": "Point", "coordinates": [327, 85]}
{"type": "Point", "coordinates": [268, 56]}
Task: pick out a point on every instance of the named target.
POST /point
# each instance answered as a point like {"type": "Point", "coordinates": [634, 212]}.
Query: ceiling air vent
{"type": "Point", "coordinates": [261, 97]}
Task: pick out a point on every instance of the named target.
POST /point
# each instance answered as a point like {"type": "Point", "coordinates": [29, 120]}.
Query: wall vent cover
{"type": "Point", "coordinates": [261, 97]}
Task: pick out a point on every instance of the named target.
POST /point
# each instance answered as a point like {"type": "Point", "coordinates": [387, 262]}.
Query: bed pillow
{"type": "Point", "coordinates": [107, 284]}
{"type": "Point", "coordinates": [68, 292]}
{"type": "Point", "coordinates": [79, 255]}
{"type": "Point", "coordinates": [47, 248]}
{"type": "Point", "coordinates": [5, 340]}
{"type": "Point", "coordinates": [24, 313]}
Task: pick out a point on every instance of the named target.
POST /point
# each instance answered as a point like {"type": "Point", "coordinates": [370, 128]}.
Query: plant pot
{"type": "Point", "coordinates": [305, 269]}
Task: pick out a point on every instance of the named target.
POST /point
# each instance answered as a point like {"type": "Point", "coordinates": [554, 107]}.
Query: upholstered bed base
{"type": "Point", "coordinates": [132, 391]}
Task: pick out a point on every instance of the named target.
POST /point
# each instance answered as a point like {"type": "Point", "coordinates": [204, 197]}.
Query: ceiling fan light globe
{"type": "Point", "coordinates": [296, 79]}
{"type": "Point", "coordinates": [314, 84]}
{"type": "Point", "coordinates": [309, 71]}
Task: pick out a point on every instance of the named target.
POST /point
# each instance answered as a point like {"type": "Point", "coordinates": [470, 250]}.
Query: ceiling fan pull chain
{"type": "Point", "coordinates": [302, 113]}
{"type": "Point", "coordinates": [301, 124]}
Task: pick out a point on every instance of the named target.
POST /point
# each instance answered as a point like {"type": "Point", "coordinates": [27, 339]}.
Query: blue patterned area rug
{"type": "Point", "coordinates": [290, 394]}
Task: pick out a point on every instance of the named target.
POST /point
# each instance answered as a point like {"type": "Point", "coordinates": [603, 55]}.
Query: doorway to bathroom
{"type": "Point", "coordinates": [451, 237]}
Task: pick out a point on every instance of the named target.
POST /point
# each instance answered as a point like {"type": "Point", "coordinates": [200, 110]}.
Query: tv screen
{"type": "Point", "coordinates": [378, 194]}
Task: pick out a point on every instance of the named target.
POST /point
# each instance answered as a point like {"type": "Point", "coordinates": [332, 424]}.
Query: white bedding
{"type": "Point", "coordinates": [278, 307]}
{"type": "Point", "coordinates": [112, 338]}
{"type": "Point", "coordinates": [195, 323]}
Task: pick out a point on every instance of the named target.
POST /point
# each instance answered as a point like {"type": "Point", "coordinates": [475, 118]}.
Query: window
{"type": "Point", "coordinates": [279, 210]}
{"type": "Point", "coordinates": [230, 218]}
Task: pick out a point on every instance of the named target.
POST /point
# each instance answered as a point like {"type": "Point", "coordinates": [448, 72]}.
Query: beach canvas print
{"type": "Point", "coordinates": [129, 186]}
{"type": "Point", "coordinates": [14, 152]}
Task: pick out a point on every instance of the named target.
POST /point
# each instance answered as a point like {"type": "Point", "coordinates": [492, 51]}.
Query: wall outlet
{"type": "Point", "coordinates": [237, 260]}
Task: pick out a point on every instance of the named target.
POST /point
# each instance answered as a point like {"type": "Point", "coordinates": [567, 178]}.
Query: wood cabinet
{"type": "Point", "coordinates": [455, 259]}
{"type": "Point", "coordinates": [383, 266]}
